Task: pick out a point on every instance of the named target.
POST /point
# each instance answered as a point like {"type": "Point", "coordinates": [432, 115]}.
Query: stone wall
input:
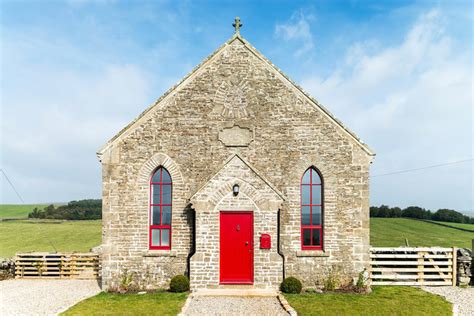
{"type": "Point", "coordinates": [281, 133]}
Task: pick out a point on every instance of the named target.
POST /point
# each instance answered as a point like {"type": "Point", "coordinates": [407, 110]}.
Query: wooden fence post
{"type": "Point", "coordinates": [455, 261]}
{"type": "Point", "coordinates": [421, 267]}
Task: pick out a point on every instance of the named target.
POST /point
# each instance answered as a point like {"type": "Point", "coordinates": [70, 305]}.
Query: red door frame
{"type": "Point", "coordinates": [251, 248]}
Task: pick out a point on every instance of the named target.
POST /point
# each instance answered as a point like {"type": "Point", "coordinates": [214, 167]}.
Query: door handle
{"type": "Point", "coordinates": [246, 243]}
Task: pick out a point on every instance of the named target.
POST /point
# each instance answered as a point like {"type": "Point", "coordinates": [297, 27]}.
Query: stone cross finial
{"type": "Point", "coordinates": [237, 25]}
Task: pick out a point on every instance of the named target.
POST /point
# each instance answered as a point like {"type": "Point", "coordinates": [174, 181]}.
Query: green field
{"type": "Point", "coordinates": [37, 235]}
{"type": "Point", "coordinates": [18, 210]}
{"type": "Point", "coordinates": [459, 225]}
{"type": "Point", "coordinates": [391, 232]}
{"type": "Point", "coordinates": [41, 235]}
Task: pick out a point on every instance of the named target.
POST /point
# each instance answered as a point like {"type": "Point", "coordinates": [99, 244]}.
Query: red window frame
{"type": "Point", "coordinates": [310, 227]}
{"type": "Point", "coordinates": [160, 205]}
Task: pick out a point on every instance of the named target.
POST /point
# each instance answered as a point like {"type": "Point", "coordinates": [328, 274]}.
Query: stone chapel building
{"type": "Point", "coordinates": [234, 176]}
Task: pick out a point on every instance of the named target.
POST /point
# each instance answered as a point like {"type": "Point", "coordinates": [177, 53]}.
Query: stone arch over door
{"type": "Point", "coordinates": [256, 195]}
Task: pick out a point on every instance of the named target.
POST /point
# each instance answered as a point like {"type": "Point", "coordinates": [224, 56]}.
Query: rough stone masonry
{"type": "Point", "coordinates": [235, 119]}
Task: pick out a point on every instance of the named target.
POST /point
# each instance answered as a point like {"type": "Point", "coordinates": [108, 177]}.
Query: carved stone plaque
{"type": "Point", "coordinates": [231, 98]}
{"type": "Point", "coordinates": [236, 136]}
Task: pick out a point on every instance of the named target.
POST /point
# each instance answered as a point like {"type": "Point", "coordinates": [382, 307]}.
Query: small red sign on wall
{"type": "Point", "coordinates": [265, 241]}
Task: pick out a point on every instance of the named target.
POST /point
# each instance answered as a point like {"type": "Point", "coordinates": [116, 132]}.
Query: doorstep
{"type": "Point", "coordinates": [247, 292]}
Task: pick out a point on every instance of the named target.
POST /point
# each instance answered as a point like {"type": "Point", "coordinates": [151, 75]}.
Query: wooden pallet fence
{"type": "Point", "coordinates": [38, 265]}
{"type": "Point", "coordinates": [412, 266]}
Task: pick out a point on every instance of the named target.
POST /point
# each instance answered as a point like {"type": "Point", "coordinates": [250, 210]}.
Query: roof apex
{"type": "Point", "coordinates": [253, 50]}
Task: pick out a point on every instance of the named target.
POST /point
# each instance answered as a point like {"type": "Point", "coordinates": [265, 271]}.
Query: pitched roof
{"type": "Point", "coordinates": [202, 65]}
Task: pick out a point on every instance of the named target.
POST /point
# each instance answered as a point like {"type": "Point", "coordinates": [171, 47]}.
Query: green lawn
{"type": "Point", "coordinates": [37, 235]}
{"type": "Point", "coordinates": [395, 300]}
{"type": "Point", "coordinates": [161, 303]}
{"type": "Point", "coordinates": [18, 210]}
{"type": "Point", "coordinates": [391, 232]}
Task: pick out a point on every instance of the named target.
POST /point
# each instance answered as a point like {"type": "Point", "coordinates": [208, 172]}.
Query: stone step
{"type": "Point", "coordinates": [247, 292]}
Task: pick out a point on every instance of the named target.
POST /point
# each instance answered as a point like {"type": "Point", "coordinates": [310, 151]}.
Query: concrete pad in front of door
{"type": "Point", "coordinates": [236, 292]}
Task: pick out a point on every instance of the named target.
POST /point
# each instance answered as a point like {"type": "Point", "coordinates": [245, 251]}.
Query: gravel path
{"type": "Point", "coordinates": [463, 298]}
{"type": "Point", "coordinates": [224, 305]}
{"type": "Point", "coordinates": [43, 297]}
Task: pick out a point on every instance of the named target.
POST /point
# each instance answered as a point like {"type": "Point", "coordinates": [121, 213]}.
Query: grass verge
{"type": "Point", "coordinates": [159, 303]}
{"type": "Point", "coordinates": [384, 300]}
{"type": "Point", "coordinates": [391, 232]}
{"type": "Point", "coordinates": [41, 235]}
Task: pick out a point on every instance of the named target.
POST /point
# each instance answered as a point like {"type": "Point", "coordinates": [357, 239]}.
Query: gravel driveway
{"type": "Point", "coordinates": [225, 305]}
{"type": "Point", "coordinates": [463, 298]}
{"type": "Point", "coordinates": [43, 297]}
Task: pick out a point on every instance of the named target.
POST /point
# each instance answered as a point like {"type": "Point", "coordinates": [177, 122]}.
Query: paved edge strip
{"type": "Point", "coordinates": [186, 305]}
{"type": "Point", "coordinates": [290, 310]}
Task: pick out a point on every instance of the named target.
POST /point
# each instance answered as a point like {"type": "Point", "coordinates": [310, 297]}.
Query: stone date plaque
{"type": "Point", "coordinates": [236, 136]}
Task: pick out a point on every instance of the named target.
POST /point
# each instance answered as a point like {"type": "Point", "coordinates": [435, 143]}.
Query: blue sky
{"type": "Point", "coordinates": [398, 73]}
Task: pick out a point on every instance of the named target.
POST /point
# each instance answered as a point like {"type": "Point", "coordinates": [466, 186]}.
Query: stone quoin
{"type": "Point", "coordinates": [234, 155]}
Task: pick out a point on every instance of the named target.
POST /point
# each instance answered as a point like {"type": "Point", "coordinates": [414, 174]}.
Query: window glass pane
{"type": "Point", "coordinates": [315, 177]}
{"type": "Point", "coordinates": [156, 176]}
{"type": "Point", "coordinates": [166, 215]}
{"type": "Point", "coordinates": [316, 238]}
{"type": "Point", "coordinates": [165, 237]}
{"type": "Point", "coordinates": [316, 198]}
{"type": "Point", "coordinates": [307, 237]}
{"type": "Point", "coordinates": [316, 215]}
{"type": "Point", "coordinates": [305, 194]}
{"type": "Point", "coordinates": [166, 176]}
{"type": "Point", "coordinates": [155, 189]}
{"type": "Point", "coordinates": [305, 215]}
{"type": "Point", "coordinates": [166, 190]}
{"type": "Point", "coordinates": [306, 176]}
{"type": "Point", "coordinates": [156, 215]}
{"type": "Point", "coordinates": [155, 237]}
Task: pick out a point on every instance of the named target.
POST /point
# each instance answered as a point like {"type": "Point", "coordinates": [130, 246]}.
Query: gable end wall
{"type": "Point", "coordinates": [289, 135]}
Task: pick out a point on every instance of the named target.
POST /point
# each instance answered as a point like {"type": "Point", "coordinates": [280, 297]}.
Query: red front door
{"type": "Point", "coordinates": [236, 248]}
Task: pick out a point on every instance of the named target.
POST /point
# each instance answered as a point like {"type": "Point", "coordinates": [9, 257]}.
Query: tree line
{"type": "Point", "coordinates": [74, 210]}
{"type": "Point", "coordinates": [442, 215]}
{"type": "Point", "coordinates": [92, 209]}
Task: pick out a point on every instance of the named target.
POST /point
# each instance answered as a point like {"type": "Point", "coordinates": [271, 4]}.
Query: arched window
{"type": "Point", "coordinates": [311, 210]}
{"type": "Point", "coordinates": [160, 209]}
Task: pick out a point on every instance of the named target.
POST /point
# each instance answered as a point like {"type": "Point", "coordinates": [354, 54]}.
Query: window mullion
{"type": "Point", "coordinates": [161, 202]}
{"type": "Point", "coordinates": [310, 196]}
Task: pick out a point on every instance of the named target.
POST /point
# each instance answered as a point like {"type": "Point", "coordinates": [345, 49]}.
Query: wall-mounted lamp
{"type": "Point", "coordinates": [235, 189]}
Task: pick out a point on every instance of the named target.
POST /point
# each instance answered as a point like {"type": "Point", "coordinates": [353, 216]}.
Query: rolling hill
{"type": "Point", "coordinates": [391, 232]}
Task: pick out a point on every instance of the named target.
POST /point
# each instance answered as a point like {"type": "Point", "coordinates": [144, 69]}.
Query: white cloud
{"type": "Point", "coordinates": [412, 103]}
{"type": "Point", "coordinates": [297, 29]}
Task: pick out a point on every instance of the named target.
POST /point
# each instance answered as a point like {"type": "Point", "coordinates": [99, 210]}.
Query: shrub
{"type": "Point", "coordinates": [361, 284]}
{"type": "Point", "coordinates": [126, 282]}
{"type": "Point", "coordinates": [291, 285]}
{"type": "Point", "coordinates": [179, 283]}
{"type": "Point", "coordinates": [331, 282]}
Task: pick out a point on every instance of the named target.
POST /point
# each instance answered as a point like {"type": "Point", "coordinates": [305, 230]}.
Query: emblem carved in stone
{"type": "Point", "coordinates": [231, 98]}
{"type": "Point", "coordinates": [236, 136]}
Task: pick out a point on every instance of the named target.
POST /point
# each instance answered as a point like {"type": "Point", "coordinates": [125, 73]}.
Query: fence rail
{"type": "Point", "coordinates": [37, 265]}
{"type": "Point", "coordinates": [413, 266]}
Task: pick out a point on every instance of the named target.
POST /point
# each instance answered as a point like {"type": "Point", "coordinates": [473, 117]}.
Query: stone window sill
{"type": "Point", "coordinates": [311, 253]}
{"type": "Point", "coordinates": [159, 253]}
